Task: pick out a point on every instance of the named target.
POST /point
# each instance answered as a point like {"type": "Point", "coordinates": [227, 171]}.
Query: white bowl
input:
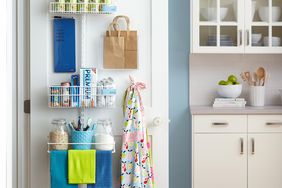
{"type": "Point", "coordinates": [256, 37]}
{"type": "Point", "coordinates": [254, 4]}
{"type": "Point", "coordinates": [229, 91]}
{"type": "Point", "coordinates": [264, 14]}
{"type": "Point", "coordinates": [209, 14]}
{"type": "Point", "coordinates": [276, 41]}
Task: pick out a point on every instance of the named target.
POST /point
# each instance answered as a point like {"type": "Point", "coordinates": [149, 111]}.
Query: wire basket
{"type": "Point", "coordinates": [81, 97]}
{"type": "Point", "coordinates": [79, 8]}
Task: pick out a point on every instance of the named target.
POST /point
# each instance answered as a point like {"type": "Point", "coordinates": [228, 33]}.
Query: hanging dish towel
{"type": "Point", "coordinates": [82, 166]}
{"type": "Point", "coordinates": [136, 168]}
{"type": "Point", "coordinates": [103, 170]}
{"type": "Point", "coordinates": [59, 169]}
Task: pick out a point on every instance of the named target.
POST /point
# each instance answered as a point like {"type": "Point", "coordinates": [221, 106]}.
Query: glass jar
{"type": "Point", "coordinates": [59, 135]}
{"type": "Point", "coordinates": [104, 136]}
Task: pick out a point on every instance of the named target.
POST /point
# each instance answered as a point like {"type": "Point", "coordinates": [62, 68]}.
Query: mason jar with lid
{"type": "Point", "coordinates": [59, 135]}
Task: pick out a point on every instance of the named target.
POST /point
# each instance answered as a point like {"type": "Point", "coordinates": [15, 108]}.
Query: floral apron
{"type": "Point", "coordinates": [136, 168]}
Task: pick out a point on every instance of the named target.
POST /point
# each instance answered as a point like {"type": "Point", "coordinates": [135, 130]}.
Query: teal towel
{"type": "Point", "coordinates": [59, 170]}
{"type": "Point", "coordinates": [103, 170]}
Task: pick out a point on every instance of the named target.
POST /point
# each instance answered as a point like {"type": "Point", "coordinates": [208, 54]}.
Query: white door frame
{"type": "Point", "coordinates": [20, 93]}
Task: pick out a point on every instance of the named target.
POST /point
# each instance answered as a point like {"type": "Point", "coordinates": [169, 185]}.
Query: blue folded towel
{"type": "Point", "coordinates": [103, 170]}
{"type": "Point", "coordinates": [59, 170]}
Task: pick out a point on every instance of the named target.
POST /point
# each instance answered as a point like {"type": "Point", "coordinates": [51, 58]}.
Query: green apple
{"type": "Point", "coordinates": [236, 83]}
{"type": "Point", "coordinates": [222, 82]}
{"type": "Point", "coordinates": [229, 83]}
{"type": "Point", "coordinates": [232, 78]}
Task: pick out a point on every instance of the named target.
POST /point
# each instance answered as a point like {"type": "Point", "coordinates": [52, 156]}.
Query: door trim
{"type": "Point", "coordinates": [20, 94]}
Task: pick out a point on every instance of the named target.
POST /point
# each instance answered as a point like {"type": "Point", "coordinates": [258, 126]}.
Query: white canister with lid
{"type": "Point", "coordinates": [104, 136]}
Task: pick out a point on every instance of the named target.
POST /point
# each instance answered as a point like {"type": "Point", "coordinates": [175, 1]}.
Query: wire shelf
{"type": "Point", "coordinates": [82, 8]}
{"type": "Point", "coordinates": [92, 144]}
{"type": "Point", "coordinates": [81, 97]}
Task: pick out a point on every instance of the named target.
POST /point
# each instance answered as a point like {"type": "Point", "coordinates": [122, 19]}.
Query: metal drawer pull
{"type": "Point", "coordinates": [220, 123]}
{"type": "Point", "coordinates": [274, 123]}
{"type": "Point", "coordinates": [242, 146]}
{"type": "Point", "coordinates": [253, 146]}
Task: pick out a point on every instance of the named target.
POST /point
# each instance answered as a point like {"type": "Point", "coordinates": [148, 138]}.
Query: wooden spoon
{"type": "Point", "coordinates": [249, 78]}
{"type": "Point", "coordinates": [243, 76]}
{"type": "Point", "coordinates": [255, 79]}
{"type": "Point", "coordinates": [265, 78]}
{"type": "Point", "coordinates": [261, 75]}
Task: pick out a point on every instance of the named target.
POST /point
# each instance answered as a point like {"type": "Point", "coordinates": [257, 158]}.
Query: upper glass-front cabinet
{"type": "Point", "coordinates": [236, 26]}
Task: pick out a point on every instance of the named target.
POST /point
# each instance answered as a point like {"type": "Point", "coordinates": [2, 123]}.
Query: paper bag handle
{"type": "Point", "coordinates": [115, 26]}
{"type": "Point", "coordinates": [126, 18]}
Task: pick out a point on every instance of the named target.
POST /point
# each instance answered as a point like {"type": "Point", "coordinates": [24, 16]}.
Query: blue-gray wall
{"type": "Point", "coordinates": [180, 126]}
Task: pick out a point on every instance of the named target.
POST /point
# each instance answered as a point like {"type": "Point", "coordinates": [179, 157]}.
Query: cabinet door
{"type": "Point", "coordinates": [220, 161]}
{"type": "Point", "coordinates": [218, 26]}
{"type": "Point", "coordinates": [265, 160]}
{"type": "Point", "coordinates": [263, 32]}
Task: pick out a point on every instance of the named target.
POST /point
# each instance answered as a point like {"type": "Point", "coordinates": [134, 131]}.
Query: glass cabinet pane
{"type": "Point", "coordinates": [276, 10]}
{"type": "Point", "coordinates": [254, 9]}
{"type": "Point", "coordinates": [208, 36]}
{"type": "Point", "coordinates": [208, 10]}
{"type": "Point", "coordinates": [228, 10]}
{"type": "Point", "coordinates": [228, 36]}
{"type": "Point", "coordinates": [259, 36]}
{"type": "Point", "coordinates": [276, 36]}
{"type": "Point", "coordinates": [261, 13]}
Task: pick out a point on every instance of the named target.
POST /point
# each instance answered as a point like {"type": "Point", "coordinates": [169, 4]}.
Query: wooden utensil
{"type": "Point", "coordinates": [255, 79]}
{"type": "Point", "coordinates": [261, 75]}
{"type": "Point", "coordinates": [243, 76]}
{"type": "Point", "coordinates": [249, 78]}
{"type": "Point", "coordinates": [265, 78]}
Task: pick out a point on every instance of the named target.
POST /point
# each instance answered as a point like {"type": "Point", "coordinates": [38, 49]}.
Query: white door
{"type": "Point", "coordinates": [220, 161]}
{"type": "Point", "coordinates": [264, 160]}
{"type": "Point", "coordinates": [150, 18]}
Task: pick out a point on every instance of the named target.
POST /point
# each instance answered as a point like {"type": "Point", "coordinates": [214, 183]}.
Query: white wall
{"type": "Point", "coordinates": [206, 70]}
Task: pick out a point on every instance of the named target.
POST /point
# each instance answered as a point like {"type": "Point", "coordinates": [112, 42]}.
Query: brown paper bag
{"type": "Point", "coordinates": [130, 42]}
{"type": "Point", "coordinates": [114, 56]}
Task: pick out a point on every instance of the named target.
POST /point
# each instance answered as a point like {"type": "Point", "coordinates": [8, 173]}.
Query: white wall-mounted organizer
{"type": "Point", "coordinates": [111, 146]}
{"type": "Point", "coordinates": [79, 8]}
{"type": "Point", "coordinates": [93, 135]}
{"type": "Point", "coordinates": [81, 97]}
{"type": "Point", "coordinates": [95, 95]}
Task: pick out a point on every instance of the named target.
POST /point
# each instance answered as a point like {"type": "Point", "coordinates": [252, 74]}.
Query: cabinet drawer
{"type": "Point", "coordinates": [267, 123]}
{"type": "Point", "coordinates": [220, 124]}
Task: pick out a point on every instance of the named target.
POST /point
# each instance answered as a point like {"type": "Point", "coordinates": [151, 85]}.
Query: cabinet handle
{"type": "Point", "coordinates": [253, 146]}
{"type": "Point", "coordinates": [242, 146]}
{"type": "Point", "coordinates": [248, 37]}
{"type": "Point", "coordinates": [220, 123]}
{"type": "Point", "coordinates": [274, 123]}
{"type": "Point", "coordinates": [240, 37]}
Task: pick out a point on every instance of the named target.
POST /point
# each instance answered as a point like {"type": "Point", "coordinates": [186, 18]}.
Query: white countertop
{"type": "Point", "coordinates": [209, 110]}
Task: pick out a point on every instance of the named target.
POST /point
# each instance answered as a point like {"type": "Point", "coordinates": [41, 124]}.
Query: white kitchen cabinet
{"type": "Point", "coordinates": [265, 124]}
{"type": "Point", "coordinates": [265, 160]}
{"type": "Point", "coordinates": [249, 155]}
{"type": "Point", "coordinates": [231, 26]}
{"type": "Point", "coordinates": [220, 160]}
{"type": "Point", "coordinates": [220, 124]}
